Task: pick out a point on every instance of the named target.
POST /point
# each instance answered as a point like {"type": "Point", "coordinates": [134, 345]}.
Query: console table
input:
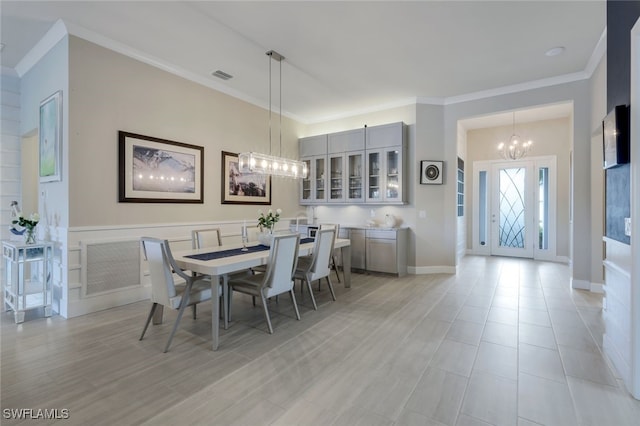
{"type": "Point", "coordinates": [27, 269]}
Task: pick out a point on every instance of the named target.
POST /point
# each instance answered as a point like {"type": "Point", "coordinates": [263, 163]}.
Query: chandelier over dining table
{"type": "Point", "coordinates": [515, 148]}
{"type": "Point", "coordinates": [269, 164]}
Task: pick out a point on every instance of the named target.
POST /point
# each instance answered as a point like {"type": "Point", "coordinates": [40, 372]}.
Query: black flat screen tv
{"type": "Point", "coordinates": [615, 137]}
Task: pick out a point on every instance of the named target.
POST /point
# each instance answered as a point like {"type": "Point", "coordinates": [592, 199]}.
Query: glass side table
{"type": "Point", "coordinates": [28, 269]}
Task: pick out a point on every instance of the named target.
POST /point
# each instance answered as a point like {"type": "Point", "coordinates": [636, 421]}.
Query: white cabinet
{"type": "Point", "coordinates": [385, 161]}
{"type": "Point", "coordinates": [313, 151]}
{"type": "Point", "coordinates": [364, 165]}
{"type": "Point", "coordinates": [386, 250]}
{"type": "Point", "coordinates": [345, 157]}
{"type": "Point", "coordinates": [358, 248]}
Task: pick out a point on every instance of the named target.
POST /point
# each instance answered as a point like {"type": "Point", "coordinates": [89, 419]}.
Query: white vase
{"type": "Point", "coordinates": [390, 221]}
{"type": "Point", "coordinates": [265, 238]}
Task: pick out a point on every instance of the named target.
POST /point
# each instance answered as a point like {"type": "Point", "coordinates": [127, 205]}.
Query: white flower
{"type": "Point", "coordinates": [270, 211]}
{"type": "Point", "coordinates": [259, 211]}
{"type": "Point", "coordinates": [279, 211]}
{"type": "Point", "coordinates": [35, 217]}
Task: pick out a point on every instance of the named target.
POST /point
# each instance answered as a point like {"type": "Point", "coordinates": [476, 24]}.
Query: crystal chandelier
{"type": "Point", "coordinates": [255, 162]}
{"type": "Point", "coordinates": [515, 148]}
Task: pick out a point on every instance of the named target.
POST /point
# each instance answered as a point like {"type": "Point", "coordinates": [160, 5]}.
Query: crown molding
{"type": "Point", "coordinates": [56, 33]}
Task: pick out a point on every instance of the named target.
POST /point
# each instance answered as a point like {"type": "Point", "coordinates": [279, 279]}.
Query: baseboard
{"type": "Point", "coordinates": [423, 270]}
{"type": "Point", "coordinates": [580, 284]}
{"type": "Point", "coordinates": [597, 287]}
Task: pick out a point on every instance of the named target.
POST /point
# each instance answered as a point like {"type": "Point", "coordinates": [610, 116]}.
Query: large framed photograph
{"type": "Point", "coordinates": [153, 170]}
{"type": "Point", "coordinates": [243, 188]}
{"type": "Point", "coordinates": [50, 138]}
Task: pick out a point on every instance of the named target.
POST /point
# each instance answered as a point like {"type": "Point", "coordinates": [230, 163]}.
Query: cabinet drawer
{"type": "Point", "coordinates": [381, 234]}
{"type": "Point", "coordinates": [381, 255]}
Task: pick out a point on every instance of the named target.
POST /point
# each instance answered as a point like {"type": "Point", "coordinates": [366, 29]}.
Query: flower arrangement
{"type": "Point", "coordinates": [269, 220]}
{"type": "Point", "coordinates": [29, 226]}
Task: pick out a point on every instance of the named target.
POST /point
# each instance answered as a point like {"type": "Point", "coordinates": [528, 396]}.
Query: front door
{"type": "Point", "coordinates": [512, 209]}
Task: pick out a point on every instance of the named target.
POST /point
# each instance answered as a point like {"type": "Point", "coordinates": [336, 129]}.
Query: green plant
{"type": "Point", "coordinates": [269, 220]}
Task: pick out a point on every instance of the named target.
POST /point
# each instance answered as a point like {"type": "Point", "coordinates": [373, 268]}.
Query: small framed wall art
{"type": "Point", "coordinates": [50, 138]}
{"type": "Point", "coordinates": [431, 172]}
{"type": "Point", "coordinates": [243, 188]}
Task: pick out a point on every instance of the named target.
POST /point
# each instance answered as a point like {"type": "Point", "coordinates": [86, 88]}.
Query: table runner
{"type": "Point", "coordinates": [237, 251]}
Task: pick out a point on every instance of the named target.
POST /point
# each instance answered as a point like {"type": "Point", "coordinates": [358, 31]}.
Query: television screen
{"type": "Point", "coordinates": [615, 137]}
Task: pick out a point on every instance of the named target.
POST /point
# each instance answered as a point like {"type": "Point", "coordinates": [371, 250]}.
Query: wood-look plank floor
{"type": "Point", "coordinates": [503, 342]}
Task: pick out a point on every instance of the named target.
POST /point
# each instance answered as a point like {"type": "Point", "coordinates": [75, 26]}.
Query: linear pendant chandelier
{"type": "Point", "coordinates": [268, 164]}
{"type": "Point", "coordinates": [514, 149]}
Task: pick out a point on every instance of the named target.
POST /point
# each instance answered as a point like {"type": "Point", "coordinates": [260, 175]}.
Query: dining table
{"type": "Point", "coordinates": [219, 262]}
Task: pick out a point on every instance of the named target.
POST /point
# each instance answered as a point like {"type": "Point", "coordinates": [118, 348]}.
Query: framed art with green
{"type": "Point", "coordinates": [50, 138]}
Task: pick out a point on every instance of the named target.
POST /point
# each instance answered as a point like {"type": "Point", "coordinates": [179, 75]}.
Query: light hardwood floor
{"type": "Point", "coordinates": [504, 342]}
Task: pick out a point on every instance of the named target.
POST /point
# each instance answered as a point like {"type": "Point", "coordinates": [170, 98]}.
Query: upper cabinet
{"type": "Point", "coordinates": [313, 151]}
{"type": "Point", "coordinates": [363, 165]}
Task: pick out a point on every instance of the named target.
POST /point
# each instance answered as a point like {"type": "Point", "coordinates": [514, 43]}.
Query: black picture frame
{"type": "Point", "coordinates": [243, 188]}
{"type": "Point", "coordinates": [154, 170]}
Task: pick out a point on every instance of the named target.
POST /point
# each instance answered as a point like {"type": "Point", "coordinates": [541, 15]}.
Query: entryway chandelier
{"type": "Point", "coordinates": [255, 162]}
{"type": "Point", "coordinates": [515, 149]}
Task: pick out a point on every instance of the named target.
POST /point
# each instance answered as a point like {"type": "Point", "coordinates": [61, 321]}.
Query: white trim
{"type": "Point", "coordinates": [9, 72]}
{"type": "Point", "coordinates": [580, 284]}
{"type": "Point", "coordinates": [596, 55]}
{"type": "Point", "coordinates": [423, 270]}
{"type": "Point", "coordinates": [635, 210]}
{"type": "Point", "coordinates": [597, 288]}
{"type": "Point", "coordinates": [56, 33]}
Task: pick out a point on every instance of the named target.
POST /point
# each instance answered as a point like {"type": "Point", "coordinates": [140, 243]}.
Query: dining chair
{"type": "Point", "coordinates": [316, 266]}
{"type": "Point", "coordinates": [165, 291]}
{"type": "Point", "coordinates": [278, 278]}
{"type": "Point", "coordinates": [201, 238]}
{"type": "Point", "coordinates": [333, 264]}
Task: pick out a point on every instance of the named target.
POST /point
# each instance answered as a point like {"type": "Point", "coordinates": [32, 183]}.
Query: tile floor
{"type": "Point", "coordinates": [503, 342]}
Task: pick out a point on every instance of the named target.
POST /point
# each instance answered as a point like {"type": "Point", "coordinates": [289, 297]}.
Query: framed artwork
{"type": "Point", "coordinates": [50, 138]}
{"type": "Point", "coordinates": [243, 188]}
{"type": "Point", "coordinates": [430, 172]}
{"type": "Point", "coordinates": [153, 170]}
{"type": "Point", "coordinates": [615, 137]}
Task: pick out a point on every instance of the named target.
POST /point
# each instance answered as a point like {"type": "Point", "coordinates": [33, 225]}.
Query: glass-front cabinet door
{"type": "Point", "coordinates": [320, 187]}
{"type": "Point", "coordinates": [392, 173]}
{"type": "Point", "coordinates": [384, 175]}
{"type": "Point", "coordinates": [306, 191]}
{"type": "Point", "coordinates": [355, 183]}
{"type": "Point", "coordinates": [374, 189]}
{"type": "Point", "coordinates": [336, 178]}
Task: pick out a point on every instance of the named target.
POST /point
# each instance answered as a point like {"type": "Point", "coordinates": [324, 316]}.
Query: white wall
{"type": "Point", "coordinates": [598, 112]}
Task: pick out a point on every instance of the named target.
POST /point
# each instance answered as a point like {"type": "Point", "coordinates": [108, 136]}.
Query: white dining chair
{"type": "Point", "coordinates": [333, 264]}
{"type": "Point", "coordinates": [165, 291]}
{"type": "Point", "coordinates": [277, 279]}
{"type": "Point", "coordinates": [202, 238]}
{"type": "Point", "coordinates": [316, 266]}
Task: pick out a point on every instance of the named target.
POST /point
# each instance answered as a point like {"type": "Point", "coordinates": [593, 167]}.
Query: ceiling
{"type": "Point", "coordinates": [342, 58]}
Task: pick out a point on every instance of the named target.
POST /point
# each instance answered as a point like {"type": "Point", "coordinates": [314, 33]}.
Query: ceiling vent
{"type": "Point", "coordinates": [221, 74]}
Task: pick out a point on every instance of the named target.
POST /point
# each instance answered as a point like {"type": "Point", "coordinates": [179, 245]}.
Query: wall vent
{"type": "Point", "coordinates": [111, 266]}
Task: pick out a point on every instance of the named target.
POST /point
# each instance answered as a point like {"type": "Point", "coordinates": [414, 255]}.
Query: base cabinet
{"type": "Point", "coordinates": [379, 250]}
{"type": "Point", "coordinates": [358, 249]}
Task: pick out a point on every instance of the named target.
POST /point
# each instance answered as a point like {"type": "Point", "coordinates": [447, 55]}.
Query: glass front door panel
{"type": "Point", "coordinates": [512, 208]}
{"type": "Point", "coordinates": [306, 182]}
{"type": "Point", "coordinates": [335, 168]}
{"type": "Point", "coordinates": [354, 162]}
{"type": "Point", "coordinates": [543, 208]}
{"type": "Point", "coordinates": [393, 184]}
{"type": "Point", "coordinates": [374, 175]}
{"type": "Point", "coordinates": [320, 183]}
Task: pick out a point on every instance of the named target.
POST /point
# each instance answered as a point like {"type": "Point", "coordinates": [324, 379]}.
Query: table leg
{"type": "Point", "coordinates": [346, 265]}
{"type": "Point", "coordinates": [215, 310]}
